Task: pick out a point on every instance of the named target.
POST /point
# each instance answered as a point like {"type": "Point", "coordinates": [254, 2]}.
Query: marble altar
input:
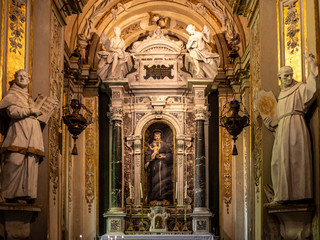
{"type": "Point", "coordinates": [158, 94]}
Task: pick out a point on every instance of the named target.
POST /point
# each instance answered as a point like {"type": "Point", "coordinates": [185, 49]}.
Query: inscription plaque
{"type": "Point", "coordinates": [158, 72]}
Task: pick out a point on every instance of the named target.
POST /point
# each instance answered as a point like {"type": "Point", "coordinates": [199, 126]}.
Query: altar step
{"type": "Point", "coordinates": [160, 237]}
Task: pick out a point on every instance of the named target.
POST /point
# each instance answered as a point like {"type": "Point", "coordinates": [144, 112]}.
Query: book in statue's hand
{"type": "Point", "coordinates": [266, 104]}
{"type": "Point", "coordinates": [46, 105]}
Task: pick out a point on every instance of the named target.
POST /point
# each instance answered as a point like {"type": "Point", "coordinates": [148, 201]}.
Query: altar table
{"type": "Point", "coordinates": [160, 237]}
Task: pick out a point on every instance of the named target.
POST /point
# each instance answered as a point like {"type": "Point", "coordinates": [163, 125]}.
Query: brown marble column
{"type": "Point", "coordinates": [116, 165]}
{"type": "Point", "coordinates": [200, 166]}
{"type": "Point", "coordinates": [201, 214]}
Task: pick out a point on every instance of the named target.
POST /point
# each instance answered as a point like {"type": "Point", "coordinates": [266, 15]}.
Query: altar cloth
{"type": "Point", "coordinates": [160, 237]}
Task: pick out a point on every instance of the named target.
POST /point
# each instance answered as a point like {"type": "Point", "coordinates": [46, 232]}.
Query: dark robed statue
{"type": "Point", "coordinates": [158, 162]}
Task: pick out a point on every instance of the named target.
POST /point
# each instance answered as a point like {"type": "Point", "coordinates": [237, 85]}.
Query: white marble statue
{"type": "Point", "coordinates": [200, 62]}
{"type": "Point", "coordinates": [22, 145]}
{"type": "Point", "coordinates": [291, 164]}
{"type": "Point", "coordinates": [113, 57]}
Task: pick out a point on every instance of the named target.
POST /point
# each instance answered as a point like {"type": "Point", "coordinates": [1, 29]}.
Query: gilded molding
{"type": "Point", "coordinates": [256, 87]}
{"type": "Point", "coordinates": [226, 162]}
{"type": "Point", "coordinates": [91, 153]}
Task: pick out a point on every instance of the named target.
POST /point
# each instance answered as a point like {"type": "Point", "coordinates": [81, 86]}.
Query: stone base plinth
{"type": "Point", "coordinates": [115, 221]}
{"type": "Point", "coordinates": [15, 220]}
{"type": "Point", "coordinates": [295, 220]}
{"type": "Point", "coordinates": [201, 221]}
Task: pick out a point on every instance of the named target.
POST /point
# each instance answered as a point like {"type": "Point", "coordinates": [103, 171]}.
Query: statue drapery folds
{"type": "Point", "coordinates": [200, 62]}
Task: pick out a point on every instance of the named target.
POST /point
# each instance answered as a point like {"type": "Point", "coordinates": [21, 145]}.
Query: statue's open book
{"type": "Point", "coordinates": [46, 105]}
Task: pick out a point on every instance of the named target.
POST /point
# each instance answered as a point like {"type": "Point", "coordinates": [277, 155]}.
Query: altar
{"type": "Point", "coordinates": [158, 112]}
{"type": "Point", "coordinates": [160, 237]}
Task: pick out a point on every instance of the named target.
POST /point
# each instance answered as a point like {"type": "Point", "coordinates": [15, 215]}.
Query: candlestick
{"type": "Point", "coordinates": [176, 225]}
{"type": "Point", "coordinates": [141, 228]}
{"type": "Point", "coordinates": [185, 226]}
{"type": "Point", "coordinates": [130, 228]}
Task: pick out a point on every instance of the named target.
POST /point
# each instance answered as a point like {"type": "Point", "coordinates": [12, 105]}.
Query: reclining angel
{"type": "Point", "coordinates": [199, 61]}
{"type": "Point", "coordinates": [113, 57]}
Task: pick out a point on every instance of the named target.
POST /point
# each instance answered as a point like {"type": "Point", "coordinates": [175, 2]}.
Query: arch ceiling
{"type": "Point", "coordinates": [136, 19]}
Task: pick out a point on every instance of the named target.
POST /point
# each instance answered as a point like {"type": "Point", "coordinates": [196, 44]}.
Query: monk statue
{"type": "Point", "coordinates": [22, 146]}
{"type": "Point", "coordinates": [291, 164]}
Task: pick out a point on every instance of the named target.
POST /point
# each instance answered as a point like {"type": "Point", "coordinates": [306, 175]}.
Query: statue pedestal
{"type": "Point", "coordinates": [115, 221]}
{"type": "Point", "coordinates": [295, 220]}
{"type": "Point", "coordinates": [15, 220]}
{"type": "Point", "coordinates": [201, 218]}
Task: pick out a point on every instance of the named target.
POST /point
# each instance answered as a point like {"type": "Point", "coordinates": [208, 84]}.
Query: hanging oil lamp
{"type": "Point", "coordinates": [75, 120]}
{"type": "Point", "coordinates": [233, 122]}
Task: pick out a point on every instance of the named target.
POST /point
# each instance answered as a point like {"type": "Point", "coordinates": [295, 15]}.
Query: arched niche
{"type": "Point", "coordinates": [178, 152]}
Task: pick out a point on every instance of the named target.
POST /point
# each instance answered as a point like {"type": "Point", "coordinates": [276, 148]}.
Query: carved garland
{"type": "Point", "coordinates": [292, 21]}
{"type": "Point", "coordinates": [17, 19]}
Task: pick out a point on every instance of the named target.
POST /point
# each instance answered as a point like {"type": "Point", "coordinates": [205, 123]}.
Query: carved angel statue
{"type": "Point", "coordinates": [113, 57]}
{"type": "Point", "coordinates": [200, 62]}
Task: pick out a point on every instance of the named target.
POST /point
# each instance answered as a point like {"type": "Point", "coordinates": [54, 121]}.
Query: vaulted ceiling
{"type": "Point", "coordinates": [137, 19]}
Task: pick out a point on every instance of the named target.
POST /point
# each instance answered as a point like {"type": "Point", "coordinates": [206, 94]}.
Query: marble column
{"type": "Point", "coordinates": [115, 215]}
{"type": "Point", "coordinates": [200, 166]}
{"type": "Point", "coordinates": [201, 214]}
{"type": "Point", "coordinates": [116, 165]}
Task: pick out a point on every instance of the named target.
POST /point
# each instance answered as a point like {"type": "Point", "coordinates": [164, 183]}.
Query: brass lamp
{"type": "Point", "coordinates": [233, 122]}
{"type": "Point", "coordinates": [75, 121]}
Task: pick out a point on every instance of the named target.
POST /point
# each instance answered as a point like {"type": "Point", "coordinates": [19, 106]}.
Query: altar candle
{"type": "Point", "coordinates": [141, 190]}
{"type": "Point", "coordinates": [115, 238]}
{"type": "Point", "coordinates": [176, 190]}
{"type": "Point", "coordinates": [185, 190]}
{"type": "Point", "coordinates": [130, 189]}
{"type": "Point", "coordinates": [122, 237]}
{"type": "Point", "coordinates": [108, 237]}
